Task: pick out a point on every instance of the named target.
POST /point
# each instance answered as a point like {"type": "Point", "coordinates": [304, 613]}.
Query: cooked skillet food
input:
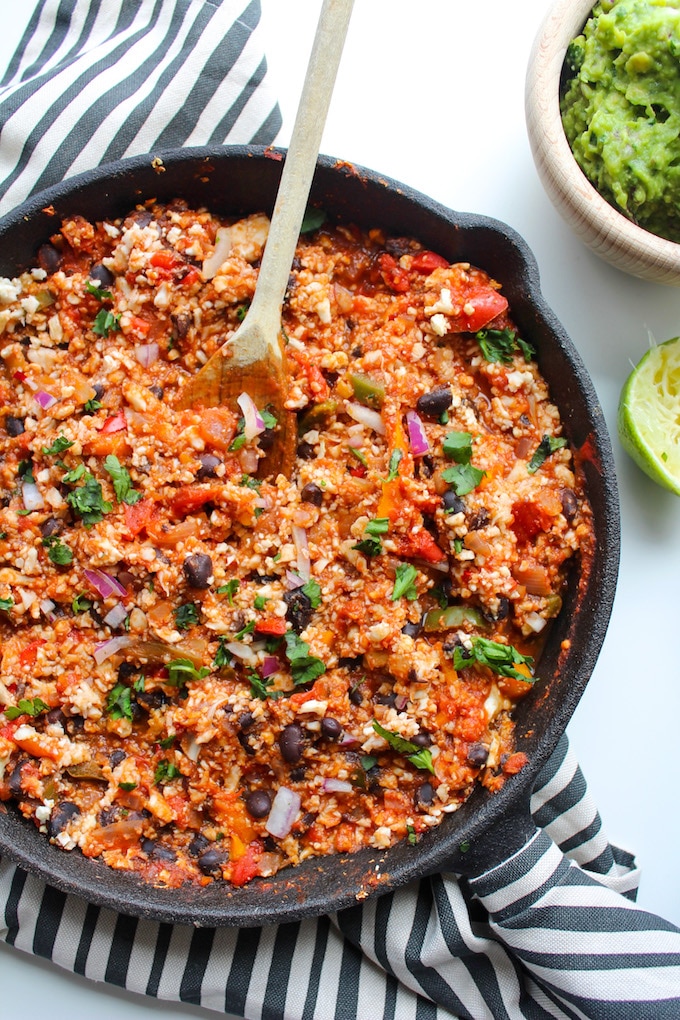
{"type": "Point", "coordinates": [211, 675]}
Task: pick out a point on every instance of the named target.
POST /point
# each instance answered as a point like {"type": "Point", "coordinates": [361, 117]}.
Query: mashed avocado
{"type": "Point", "coordinates": [621, 109]}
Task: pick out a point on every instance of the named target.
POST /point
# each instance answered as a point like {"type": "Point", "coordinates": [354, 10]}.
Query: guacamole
{"type": "Point", "coordinates": [621, 109]}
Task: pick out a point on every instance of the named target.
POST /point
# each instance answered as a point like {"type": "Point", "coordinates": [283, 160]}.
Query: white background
{"type": "Point", "coordinates": [432, 94]}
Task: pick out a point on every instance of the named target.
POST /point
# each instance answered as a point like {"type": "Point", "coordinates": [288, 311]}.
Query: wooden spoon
{"type": "Point", "coordinates": [252, 361]}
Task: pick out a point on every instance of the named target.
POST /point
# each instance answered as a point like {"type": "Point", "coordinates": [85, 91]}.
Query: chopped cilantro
{"type": "Point", "coordinates": [6, 604]}
{"type": "Point", "coordinates": [499, 345]}
{"type": "Point", "coordinates": [369, 546]}
{"type": "Point", "coordinates": [418, 756]}
{"type": "Point", "coordinates": [26, 706]}
{"type": "Point", "coordinates": [60, 444]}
{"type": "Point", "coordinates": [88, 501]}
{"type": "Point", "coordinates": [105, 322]}
{"type": "Point", "coordinates": [250, 483]}
{"type": "Point", "coordinates": [303, 666]}
{"type": "Point", "coordinates": [358, 455]}
{"type": "Point", "coordinates": [92, 405]}
{"type": "Point", "coordinates": [502, 659]}
{"type": "Point", "coordinates": [167, 742]}
{"type": "Point", "coordinates": [463, 478]}
{"type": "Point", "coordinates": [122, 483]}
{"type": "Point", "coordinates": [268, 418]}
{"type": "Point", "coordinates": [140, 683]}
{"type": "Point", "coordinates": [312, 590]}
{"type": "Point", "coordinates": [241, 312]}
{"type": "Point", "coordinates": [57, 552]}
{"type": "Point", "coordinates": [393, 466]}
{"type": "Point", "coordinates": [312, 220]}
{"type": "Point", "coordinates": [81, 604]}
{"type": "Point", "coordinates": [119, 702]}
{"type": "Point", "coordinates": [75, 475]}
{"type": "Point", "coordinates": [372, 546]}
{"type": "Point", "coordinates": [25, 471]}
{"type": "Point", "coordinates": [182, 670]}
{"type": "Point", "coordinates": [165, 771]}
{"type": "Point", "coordinates": [127, 787]}
{"type": "Point", "coordinates": [260, 602]}
{"type": "Point", "coordinates": [98, 292]}
{"type": "Point", "coordinates": [186, 616]}
{"type": "Point", "coordinates": [404, 582]}
{"type": "Point", "coordinates": [222, 657]}
{"type": "Point", "coordinates": [238, 442]}
{"type": "Point", "coordinates": [368, 761]}
{"type": "Point", "coordinates": [229, 589]}
{"type": "Point", "coordinates": [547, 445]}
{"type": "Point", "coordinates": [458, 446]}
{"type": "Point", "coordinates": [412, 835]}
{"type": "Point", "coordinates": [248, 629]}
{"type": "Point", "coordinates": [260, 687]}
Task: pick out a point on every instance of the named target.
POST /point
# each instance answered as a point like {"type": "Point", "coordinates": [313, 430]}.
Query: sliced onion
{"type": "Point", "coordinates": [283, 813]}
{"type": "Point", "coordinates": [416, 434]}
{"type": "Point", "coordinates": [105, 584]}
{"type": "Point", "coordinates": [47, 606]}
{"type": "Point", "coordinates": [241, 651]}
{"type": "Point", "coordinates": [337, 786]}
{"type": "Point", "coordinates": [347, 740]}
{"type": "Point", "coordinates": [400, 702]}
{"type": "Point", "coordinates": [302, 559]}
{"type": "Point", "coordinates": [367, 417]}
{"type": "Point", "coordinates": [222, 249]}
{"type": "Point", "coordinates": [106, 649]}
{"type": "Point", "coordinates": [30, 494]}
{"type": "Point", "coordinates": [115, 616]}
{"type": "Point", "coordinates": [253, 423]}
{"type": "Point", "coordinates": [147, 354]}
{"type": "Point", "coordinates": [45, 399]}
{"type": "Point", "coordinates": [270, 665]}
{"type": "Point", "coordinates": [293, 580]}
{"type": "Point", "coordinates": [536, 622]}
{"type": "Point", "coordinates": [191, 747]}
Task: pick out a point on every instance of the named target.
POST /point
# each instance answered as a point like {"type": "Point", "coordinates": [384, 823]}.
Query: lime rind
{"type": "Point", "coordinates": [649, 414]}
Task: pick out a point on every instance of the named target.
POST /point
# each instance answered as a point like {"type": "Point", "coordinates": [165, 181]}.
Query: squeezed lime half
{"type": "Point", "coordinates": [649, 414]}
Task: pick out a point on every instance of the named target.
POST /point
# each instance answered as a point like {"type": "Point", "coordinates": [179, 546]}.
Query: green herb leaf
{"type": "Point", "coordinates": [229, 589]}
{"type": "Point", "coordinates": [248, 482]}
{"type": "Point", "coordinates": [122, 483]}
{"type": "Point", "coordinates": [6, 604]}
{"type": "Point", "coordinates": [237, 443]}
{"type": "Point", "coordinates": [312, 219]}
{"type": "Point", "coordinates": [369, 546]}
{"type": "Point", "coordinates": [88, 501]}
{"type": "Point", "coordinates": [57, 552]}
{"type": "Point", "coordinates": [248, 629]}
{"type": "Point", "coordinates": [222, 656]}
{"type": "Point", "coordinates": [260, 687]}
{"type": "Point", "coordinates": [499, 345]}
{"type": "Point", "coordinates": [377, 526]}
{"type": "Point", "coordinates": [92, 405]}
{"type": "Point", "coordinates": [60, 444]}
{"type": "Point", "coordinates": [165, 771]}
{"type": "Point", "coordinates": [501, 659]}
{"type": "Point", "coordinates": [547, 445]}
{"type": "Point", "coordinates": [81, 604]}
{"type": "Point", "coordinates": [412, 835]}
{"type": "Point", "coordinates": [303, 666]}
{"type": "Point", "coordinates": [260, 602]}
{"type": "Point", "coordinates": [404, 582]}
{"type": "Point", "coordinates": [25, 471]}
{"type": "Point", "coordinates": [312, 590]}
{"type": "Point", "coordinates": [358, 455]}
{"type": "Point", "coordinates": [463, 478]}
{"type": "Point", "coordinates": [241, 312]}
{"type": "Point", "coordinates": [105, 322]}
{"type": "Point", "coordinates": [26, 706]}
{"type": "Point", "coordinates": [127, 787]}
{"type": "Point", "coordinates": [140, 683]}
{"type": "Point", "coordinates": [368, 761]}
{"type": "Point", "coordinates": [186, 616]}
{"type": "Point", "coordinates": [167, 742]}
{"type": "Point", "coordinates": [418, 756]}
{"type": "Point", "coordinates": [98, 292]}
{"type": "Point", "coordinates": [74, 475]}
{"type": "Point", "coordinates": [180, 671]}
{"type": "Point", "coordinates": [119, 702]}
{"type": "Point", "coordinates": [268, 418]}
{"type": "Point", "coordinates": [458, 446]}
{"type": "Point", "coordinates": [393, 466]}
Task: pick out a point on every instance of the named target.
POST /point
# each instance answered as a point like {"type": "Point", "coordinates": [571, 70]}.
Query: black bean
{"type": "Point", "coordinates": [109, 815]}
{"type": "Point", "coordinates": [157, 391]}
{"type": "Point", "coordinates": [569, 503]}
{"type": "Point", "coordinates": [424, 794]}
{"type": "Point", "coordinates": [99, 390]}
{"type": "Point", "coordinates": [386, 699]}
{"type": "Point", "coordinates": [212, 861]}
{"type": "Point", "coordinates": [412, 630]}
{"type": "Point", "coordinates": [305, 451]}
{"type": "Point", "coordinates": [330, 727]}
{"type": "Point", "coordinates": [50, 527]}
{"type": "Point", "coordinates": [355, 696]}
{"type": "Point", "coordinates": [48, 258]}
{"type": "Point", "coordinates": [55, 717]}
{"type": "Point", "coordinates": [160, 852]}
{"type": "Point", "coordinates": [246, 720]}
{"type": "Point", "coordinates": [266, 439]}
{"type": "Point", "coordinates": [181, 325]}
{"type": "Point", "coordinates": [477, 754]}
{"type": "Point", "coordinates": [259, 803]}
{"type": "Point", "coordinates": [478, 520]}
{"type": "Point", "coordinates": [311, 493]}
{"type": "Point", "coordinates": [102, 276]}
{"type": "Point", "coordinates": [148, 845]}
{"type": "Point", "coordinates": [198, 844]}
{"type": "Point", "coordinates": [116, 757]}
{"type": "Point", "coordinates": [14, 426]}
{"type": "Point", "coordinates": [75, 724]}
{"type": "Point", "coordinates": [152, 700]}
{"type": "Point", "coordinates": [126, 671]}
{"type": "Point", "coordinates": [299, 611]}
{"type": "Point", "coordinates": [422, 739]}
{"type": "Point", "coordinates": [291, 742]}
{"type": "Point", "coordinates": [435, 403]}
{"type": "Point", "coordinates": [453, 503]}
{"type": "Point", "coordinates": [14, 782]}
{"type": "Point", "coordinates": [198, 570]}
{"type": "Point", "coordinates": [208, 464]}
{"type": "Point", "coordinates": [501, 613]}
{"type": "Point", "coordinates": [61, 816]}
{"type": "Point", "coordinates": [299, 774]}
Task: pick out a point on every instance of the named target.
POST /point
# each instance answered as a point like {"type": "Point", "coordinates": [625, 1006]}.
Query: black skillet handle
{"type": "Point", "coordinates": [492, 846]}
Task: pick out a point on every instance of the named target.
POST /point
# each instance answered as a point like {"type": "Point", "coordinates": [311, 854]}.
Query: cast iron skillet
{"type": "Point", "coordinates": [488, 828]}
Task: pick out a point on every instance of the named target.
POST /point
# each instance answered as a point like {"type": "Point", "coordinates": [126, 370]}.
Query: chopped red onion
{"type": "Point", "coordinates": [47, 606]}
{"type": "Point", "coordinates": [106, 649]}
{"type": "Point", "coordinates": [302, 559]}
{"type": "Point", "coordinates": [416, 434]}
{"type": "Point", "coordinates": [105, 584]}
{"type": "Point", "coordinates": [222, 249]}
{"type": "Point", "coordinates": [30, 494]}
{"type": "Point", "coordinates": [337, 786]}
{"type": "Point", "coordinates": [270, 665]}
{"type": "Point", "coordinates": [293, 580]}
{"type": "Point", "coordinates": [283, 813]}
{"type": "Point", "coordinates": [347, 740]}
{"type": "Point", "coordinates": [115, 616]}
{"type": "Point", "coordinates": [147, 354]}
{"type": "Point", "coordinates": [400, 702]}
{"type": "Point", "coordinates": [367, 417]}
{"type": "Point", "coordinates": [253, 423]}
{"type": "Point", "coordinates": [46, 400]}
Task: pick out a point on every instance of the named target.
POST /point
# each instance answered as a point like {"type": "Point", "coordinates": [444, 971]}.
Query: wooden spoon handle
{"type": "Point", "coordinates": [300, 163]}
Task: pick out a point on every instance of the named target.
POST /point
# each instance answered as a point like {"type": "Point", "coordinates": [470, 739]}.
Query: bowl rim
{"type": "Point", "coordinates": [600, 225]}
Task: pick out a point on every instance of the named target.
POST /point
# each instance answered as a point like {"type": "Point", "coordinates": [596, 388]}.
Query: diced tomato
{"type": "Point", "coordinates": [529, 518]}
{"type": "Point", "coordinates": [273, 625]}
{"type": "Point", "coordinates": [191, 278]}
{"type": "Point", "coordinates": [246, 867]}
{"type": "Point", "coordinates": [316, 381]}
{"type": "Point", "coordinates": [8, 731]}
{"type": "Point", "coordinates": [392, 273]}
{"type": "Point", "coordinates": [192, 497]}
{"type": "Point", "coordinates": [139, 516]}
{"type": "Point", "coordinates": [427, 262]}
{"type": "Point", "coordinates": [420, 545]}
{"type": "Point", "coordinates": [217, 427]}
{"type": "Point", "coordinates": [483, 306]}
{"type": "Point", "coordinates": [515, 763]}
{"type": "Point", "coordinates": [27, 655]}
{"type": "Point", "coordinates": [358, 471]}
{"type": "Point", "coordinates": [164, 259]}
{"type": "Point", "coordinates": [116, 423]}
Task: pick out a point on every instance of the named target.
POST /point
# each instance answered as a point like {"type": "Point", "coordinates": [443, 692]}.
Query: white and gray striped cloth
{"type": "Point", "coordinates": [553, 932]}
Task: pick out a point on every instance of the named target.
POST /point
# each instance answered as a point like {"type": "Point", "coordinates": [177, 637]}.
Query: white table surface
{"type": "Point", "coordinates": [432, 94]}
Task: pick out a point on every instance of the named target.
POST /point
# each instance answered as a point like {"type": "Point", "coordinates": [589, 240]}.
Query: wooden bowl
{"type": "Point", "coordinates": [609, 233]}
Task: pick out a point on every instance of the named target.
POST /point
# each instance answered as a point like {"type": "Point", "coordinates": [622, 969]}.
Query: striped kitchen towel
{"type": "Point", "coordinates": [551, 933]}
{"type": "Point", "coordinates": [96, 80]}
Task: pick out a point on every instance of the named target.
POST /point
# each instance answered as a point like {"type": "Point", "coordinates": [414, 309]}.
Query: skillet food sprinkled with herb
{"type": "Point", "coordinates": [208, 675]}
